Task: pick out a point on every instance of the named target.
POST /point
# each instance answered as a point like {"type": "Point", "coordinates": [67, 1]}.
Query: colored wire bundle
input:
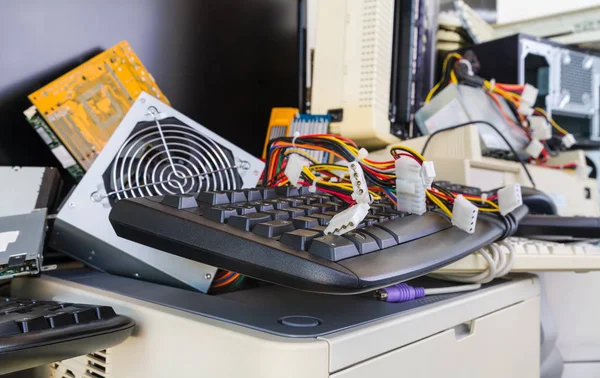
{"type": "Point", "coordinates": [456, 69]}
{"type": "Point", "coordinates": [226, 280]}
{"type": "Point", "coordinates": [333, 178]}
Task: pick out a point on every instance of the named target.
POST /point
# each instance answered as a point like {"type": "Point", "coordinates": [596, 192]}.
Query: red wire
{"type": "Point", "coordinates": [409, 155]}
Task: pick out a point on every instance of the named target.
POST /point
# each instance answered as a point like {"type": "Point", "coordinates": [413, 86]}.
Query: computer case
{"type": "Point", "coordinates": [568, 79]}
{"type": "Point", "coordinates": [373, 66]}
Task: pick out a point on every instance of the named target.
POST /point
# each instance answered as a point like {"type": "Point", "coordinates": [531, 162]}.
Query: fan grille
{"type": "Point", "coordinates": [168, 157]}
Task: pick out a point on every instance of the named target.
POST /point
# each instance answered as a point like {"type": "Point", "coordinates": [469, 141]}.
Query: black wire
{"type": "Point", "coordinates": [495, 129]}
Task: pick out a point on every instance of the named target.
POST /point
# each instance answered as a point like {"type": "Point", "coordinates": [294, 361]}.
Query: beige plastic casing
{"type": "Point", "coordinates": [465, 334]}
{"type": "Point", "coordinates": [457, 157]}
{"type": "Point", "coordinates": [352, 68]}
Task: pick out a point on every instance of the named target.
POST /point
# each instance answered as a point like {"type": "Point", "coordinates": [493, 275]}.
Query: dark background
{"type": "Point", "coordinates": [223, 63]}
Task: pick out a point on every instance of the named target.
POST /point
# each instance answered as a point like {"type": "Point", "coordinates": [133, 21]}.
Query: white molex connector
{"type": "Point", "coordinates": [568, 140]}
{"type": "Point", "coordinates": [464, 214]}
{"type": "Point", "coordinates": [359, 183]}
{"type": "Point", "coordinates": [428, 173]}
{"type": "Point", "coordinates": [347, 220]}
{"type": "Point", "coordinates": [541, 129]}
{"type": "Point", "coordinates": [410, 189]}
{"type": "Point", "coordinates": [509, 198]}
{"type": "Point", "coordinates": [294, 166]}
{"type": "Point", "coordinates": [527, 100]}
{"type": "Point", "coordinates": [529, 95]}
{"type": "Point", "coordinates": [534, 148]}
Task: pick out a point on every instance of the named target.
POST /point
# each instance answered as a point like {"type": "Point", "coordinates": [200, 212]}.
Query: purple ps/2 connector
{"type": "Point", "coordinates": [399, 293]}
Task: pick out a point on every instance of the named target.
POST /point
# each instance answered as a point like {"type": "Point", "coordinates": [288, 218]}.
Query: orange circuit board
{"type": "Point", "coordinates": [84, 106]}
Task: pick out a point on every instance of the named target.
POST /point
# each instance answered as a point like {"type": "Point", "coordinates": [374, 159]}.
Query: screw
{"type": "Point", "coordinates": [71, 204]}
{"type": "Point", "coordinates": [143, 100]}
{"type": "Point", "coordinates": [137, 275]}
{"type": "Point", "coordinates": [208, 276]}
{"type": "Point", "coordinates": [93, 252]}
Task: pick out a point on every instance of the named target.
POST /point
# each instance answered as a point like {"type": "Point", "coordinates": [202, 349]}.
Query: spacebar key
{"type": "Point", "coordinates": [414, 226]}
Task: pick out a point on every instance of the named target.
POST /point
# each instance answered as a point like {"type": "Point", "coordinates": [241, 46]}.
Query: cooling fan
{"type": "Point", "coordinates": [154, 151]}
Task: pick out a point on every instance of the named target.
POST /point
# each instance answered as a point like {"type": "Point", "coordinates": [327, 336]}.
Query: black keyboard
{"type": "Point", "coordinates": [276, 235]}
{"type": "Point", "coordinates": [557, 227]}
{"type": "Point", "coordinates": [34, 333]}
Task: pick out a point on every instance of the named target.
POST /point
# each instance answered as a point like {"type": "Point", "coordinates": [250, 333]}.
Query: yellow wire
{"type": "Point", "coordinates": [552, 122]}
{"type": "Point", "coordinates": [453, 78]}
{"type": "Point", "coordinates": [438, 203]}
{"type": "Point", "coordinates": [303, 153]}
{"type": "Point", "coordinates": [432, 91]}
{"type": "Point", "coordinates": [408, 149]}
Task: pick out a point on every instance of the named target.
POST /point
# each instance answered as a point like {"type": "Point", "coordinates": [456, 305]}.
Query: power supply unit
{"type": "Point", "coordinates": [154, 151]}
{"type": "Point", "coordinates": [568, 79]}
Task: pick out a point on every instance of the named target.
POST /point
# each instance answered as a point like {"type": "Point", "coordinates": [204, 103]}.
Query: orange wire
{"type": "Point", "coordinates": [506, 116]}
{"type": "Point", "coordinates": [230, 280]}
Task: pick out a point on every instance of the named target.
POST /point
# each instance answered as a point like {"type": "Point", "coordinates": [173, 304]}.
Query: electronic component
{"type": "Point", "coordinates": [458, 104]}
{"type": "Point", "coordinates": [21, 243]}
{"type": "Point", "coordinates": [289, 122]}
{"type": "Point", "coordinates": [458, 159]}
{"type": "Point", "coordinates": [347, 220]}
{"type": "Point", "coordinates": [293, 169]}
{"type": "Point", "coordinates": [410, 188]}
{"type": "Point", "coordinates": [534, 148]}
{"type": "Point", "coordinates": [84, 106]}
{"type": "Point", "coordinates": [509, 198]}
{"type": "Point", "coordinates": [284, 241]}
{"type": "Point", "coordinates": [464, 214]}
{"type": "Point", "coordinates": [24, 189]}
{"type": "Point", "coordinates": [555, 227]}
{"type": "Point", "coordinates": [535, 256]}
{"type": "Point", "coordinates": [64, 157]}
{"type": "Point", "coordinates": [372, 88]}
{"type": "Point", "coordinates": [154, 151]}
{"type": "Point", "coordinates": [404, 292]}
{"type": "Point", "coordinates": [564, 76]}
{"type": "Point", "coordinates": [40, 332]}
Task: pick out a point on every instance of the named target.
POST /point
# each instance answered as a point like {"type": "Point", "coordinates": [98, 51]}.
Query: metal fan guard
{"type": "Point", "coordinates": [184, 162]}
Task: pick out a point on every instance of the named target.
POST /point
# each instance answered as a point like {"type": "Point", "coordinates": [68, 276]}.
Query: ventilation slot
{"type": "Point", "coordinates": [576, 79]}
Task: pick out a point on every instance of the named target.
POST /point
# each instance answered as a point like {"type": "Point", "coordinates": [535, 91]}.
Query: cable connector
{"type": "Point", "coordinates": [509, 198]}
{"type": "Point", "coordinates": [294, 166]}
{"type": "Point", "coordinates": [529, 95]}
{"type": "Point", "coordinates": [568, 140]}
{"type": "Point", "coordinates": [359, 183]}
{"type": "Point", "coordinates": [464, 214]}
{"type": "Point", "coordinates": [428, 173]}
{"type": "Point", "coordinates": [410, 189]}
{"type": "Point", "coordinates": [525, 109]}
{"type": "Point", "coordinates": [534, 148]}
{"type": "Point", "coordinates": [541, 129]}
{"type": "Point", "coordinates": [347, 220]}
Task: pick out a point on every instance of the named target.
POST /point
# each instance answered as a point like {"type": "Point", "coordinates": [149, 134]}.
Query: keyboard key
{"type": "Point", "coordinates": [383, 238]}
{"type": "Point", "coordinates": [9, 328]}
{"type": "Point", "coordinates": [309, 209]}
{"type": "Point", "coordinates": [261, 206]}
{"type": "Point", "coordinates": [390, 216]}
{"type": "Point", "coordinates": [248, 221]}
{"type": "Point", "coordinates": [34, 324]}
{"type": "Point", "coordinates": [278, 214]}
{"type": "Point", "coordinates": [85, 316]}
{"type": "Point", "coordinates": [324, 207]}
{"type": "Point", "coordinates": [287, 191]}
{"type": "Point", "coordinates": [220, 213]}
{"type": "Point", "coordinates": [320, 198]}
{"type": "Point", "coordinates": [335, 206]}
{"type": "Point", "coordinates": [60, 319]}
{"type": "Point", "coordinates": [244, 209]}
{"type": "Point", "coordinates": [253, 194]}
{"type": "Point", "coordinates": [212, 198]}
{"type": "Point", "coordinates": [278, 204]}
{"type": "Point", "coordinates": [319, 229]}
{"type": "Point", "coordinates": [295, 212]}
{"type": "Point", "coordinates": [304, 190]}
{"type": "Point", "coordinates": [273, 228]}
{"type": "Point", "coordinates": [267, 193]}
{"type": "Point", "coordinates": [298, 239]}
{"type": "Point", "coordinates": [415, 227]}
{"type": "Point", "coordinates": [305, 222]}
{"type": "Point", "coordinates": [332, 248]}
{"type": "Point", "coordinates": [377, 218]}
{"type": "Point", "coordinates": [293, 201]}
{"type": "Point", "coordinates": [105, 312]}
{"type": "Point", "coordinates": [179, 201]}
{"type": "Point", "coordinates": [322, 218]}
{"type": "Point", "coordinates": [235, 196]}
{"type": "Point", "coordinates": [363, 242]}
{"type": "Point", "coordinates": [307, 199]}
{"type": "Point", "coordinates": [380, 207]}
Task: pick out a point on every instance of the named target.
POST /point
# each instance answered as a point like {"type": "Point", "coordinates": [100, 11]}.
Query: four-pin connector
{"type": "Point", "coordinates": [509, 198]}
{"type": "Point", "coordinates": [464, 214]}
